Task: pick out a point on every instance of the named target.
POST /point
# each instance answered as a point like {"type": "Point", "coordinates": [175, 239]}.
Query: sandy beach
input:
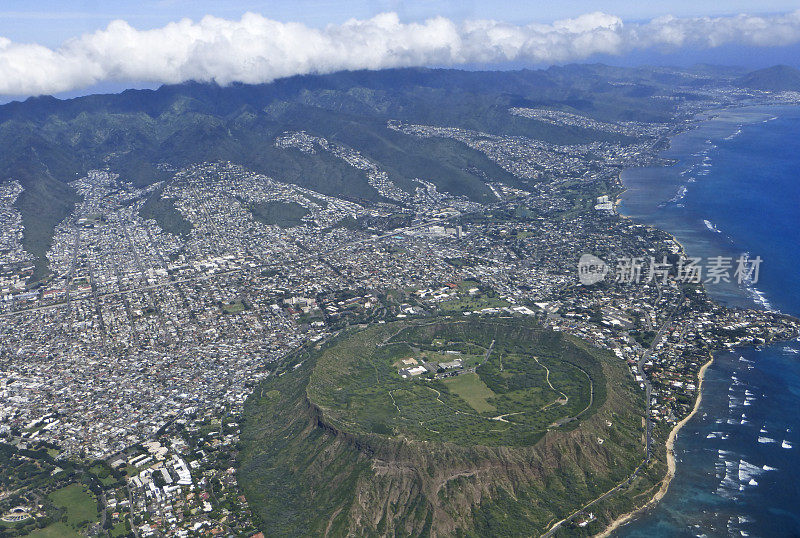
{"type": "Point", "coordinates": [671, 466]}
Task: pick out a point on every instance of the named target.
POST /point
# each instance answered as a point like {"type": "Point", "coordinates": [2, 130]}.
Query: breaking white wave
{"type": "Point", "coordinates": [759, 297]}
{"type": "Point", "coordinates": [748, 471]}
{"type": "Point", "coordinates": [734, 134]}
{"type": "Point", "coordinates": [711, 227]}
{"type": "Point", "coordinates": [680, 195]}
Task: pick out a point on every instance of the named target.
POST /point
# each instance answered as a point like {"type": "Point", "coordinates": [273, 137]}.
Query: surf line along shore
{"type": "Point", "coordinates": [671, 464]}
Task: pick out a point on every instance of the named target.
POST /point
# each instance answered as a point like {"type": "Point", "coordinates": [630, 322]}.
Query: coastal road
{"type": "Point", "coordinates": [647, 385]}
{"type": "Point", "coordinates": [648, 422]}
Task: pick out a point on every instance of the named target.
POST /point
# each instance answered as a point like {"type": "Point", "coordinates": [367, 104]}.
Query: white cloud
{"type": "Point", "coordinates": [256, 49]}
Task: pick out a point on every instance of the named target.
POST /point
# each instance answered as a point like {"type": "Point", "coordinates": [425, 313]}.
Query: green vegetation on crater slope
{"type": "Point", "coordinates": [338, 442]}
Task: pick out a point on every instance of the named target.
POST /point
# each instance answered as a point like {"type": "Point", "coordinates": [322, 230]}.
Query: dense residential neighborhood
{"type": "Point", "coordinates": [140, 348]}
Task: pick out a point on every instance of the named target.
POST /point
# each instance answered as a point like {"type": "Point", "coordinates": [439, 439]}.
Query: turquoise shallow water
{"type": "Point", "coordinates": [735, 188]}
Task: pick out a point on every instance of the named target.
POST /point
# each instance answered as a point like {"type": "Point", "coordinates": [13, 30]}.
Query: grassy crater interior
{"type": "Point", "coordinates": [535, 424]}
{"type": "Point", "coordinates": [516, 381]}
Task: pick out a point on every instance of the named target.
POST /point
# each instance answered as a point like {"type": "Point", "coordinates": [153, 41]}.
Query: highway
{"type": "Point", "coordinates": [648, 423]}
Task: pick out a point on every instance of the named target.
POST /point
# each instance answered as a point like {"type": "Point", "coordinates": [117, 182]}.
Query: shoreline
{"type": "Point", "coordinates": [627, 517]}
{"type": "Point", "coordinates": [671, 463]}
{"type": "Point", "coordinates": [665, 482]}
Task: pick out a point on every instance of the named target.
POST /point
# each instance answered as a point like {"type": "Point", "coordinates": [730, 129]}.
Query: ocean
{"type": "Point", "coordinates": [735, 188]}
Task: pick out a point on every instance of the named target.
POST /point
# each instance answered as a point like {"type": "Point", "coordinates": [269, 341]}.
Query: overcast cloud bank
{"type": "Point", "coordinates": [256, 49]}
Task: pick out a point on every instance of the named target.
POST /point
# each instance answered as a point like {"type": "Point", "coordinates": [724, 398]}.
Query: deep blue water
{"type": "Point", "coordinates": [736, 474]}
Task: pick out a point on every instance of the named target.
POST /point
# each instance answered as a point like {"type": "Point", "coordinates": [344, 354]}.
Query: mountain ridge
{"type": "Point", "coordinates": [142, 134]}
{"type": "Point", "coordinates": [775, 78]}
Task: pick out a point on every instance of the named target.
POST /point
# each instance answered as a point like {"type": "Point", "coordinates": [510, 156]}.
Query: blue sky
{"type": "Point", "coordinates": [50, 22]}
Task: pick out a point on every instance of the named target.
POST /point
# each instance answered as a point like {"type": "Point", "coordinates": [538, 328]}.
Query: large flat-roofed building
{"type": "Point", "coordinates": [411, 372]}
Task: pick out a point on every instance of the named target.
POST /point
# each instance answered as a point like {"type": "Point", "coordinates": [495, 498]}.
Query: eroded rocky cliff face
{"type": "Point", "coordinates": [303, 475]}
